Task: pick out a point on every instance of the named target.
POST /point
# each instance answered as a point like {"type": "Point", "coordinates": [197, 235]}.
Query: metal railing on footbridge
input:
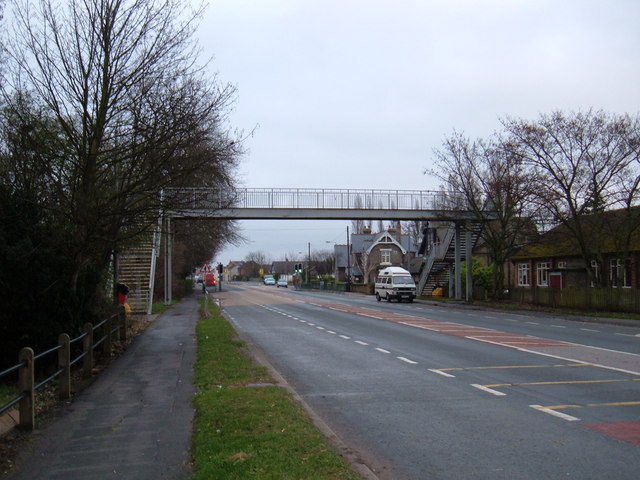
{"type": "Point", "coordinates": [201, 199]}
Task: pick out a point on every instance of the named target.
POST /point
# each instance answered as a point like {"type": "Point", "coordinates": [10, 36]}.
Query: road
{"type": "Point", "coordinates": [431, 392]}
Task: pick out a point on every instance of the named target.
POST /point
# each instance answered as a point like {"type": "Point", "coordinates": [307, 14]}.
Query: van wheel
{"type": "Point", "coordinates": [411, 300]}
{"type": "Point", "coordinates": [378, 296]}
{"type": "Point", "coordinates": [388, 298]}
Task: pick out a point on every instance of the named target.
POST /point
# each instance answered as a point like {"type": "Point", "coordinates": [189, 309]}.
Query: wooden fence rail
{"type": "Point", "coordinates": [593, 299]}
{"type": "Point", "coordinates": [112, 328]}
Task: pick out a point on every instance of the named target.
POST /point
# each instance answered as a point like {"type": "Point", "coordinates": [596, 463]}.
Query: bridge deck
{"type": "Point", "coordinates": [305, 203]}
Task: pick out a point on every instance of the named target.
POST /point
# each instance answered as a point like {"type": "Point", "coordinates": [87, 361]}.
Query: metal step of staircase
{"type": "Point", "coordinates": [436, 265]}
{"type": "Point", "coordinates": [135, 270]}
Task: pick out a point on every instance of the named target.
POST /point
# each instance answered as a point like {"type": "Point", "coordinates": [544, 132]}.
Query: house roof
{"type": "Point", "coordinates": [283, 266]}
{"type": "Point", "coordinates": [386, 238]}
{"type": "Point", "coordinates": [361, 242]}
{"type": "Point", "coordinates": [605, 233]}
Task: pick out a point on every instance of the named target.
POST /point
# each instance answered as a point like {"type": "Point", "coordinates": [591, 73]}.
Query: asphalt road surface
{"type": "Point", "coordinates": [440, 392]}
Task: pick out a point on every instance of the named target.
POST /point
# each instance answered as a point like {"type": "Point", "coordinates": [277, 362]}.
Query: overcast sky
{"type": "Point", "coordinates": [358, 94]}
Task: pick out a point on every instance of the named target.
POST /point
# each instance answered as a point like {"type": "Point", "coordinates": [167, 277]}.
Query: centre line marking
{"type": "Point", "coordinates": [383, 350]}
{"type": "Point", "coordinates": [345, 337]}
{"type": "Point", "coordinates": [407, 360]}
{"type": "Point", "coordinates": [331, 332]}
{"type": "Point", "coordinates": [360, 342]}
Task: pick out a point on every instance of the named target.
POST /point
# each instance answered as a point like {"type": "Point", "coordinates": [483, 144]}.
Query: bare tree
{"type": "Point", "coordinates": [323, 261]}
{"type": "Point", "coordinates": [497, 188]}
{"type": "Point", "coordinates": [358, 225]}
{"type": "Point", "coordinates": [131, 108]}
{"type": "Point", "coordinates": [362, 261]}
{"type": "Point", "coordinates": [585, 164]}
{"type": "Point", "coordinates": [259, 257]}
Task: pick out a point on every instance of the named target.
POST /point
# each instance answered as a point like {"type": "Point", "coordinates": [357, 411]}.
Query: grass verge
{"type": "Point", "coordinates": [159, 307]}
{"type": "Point", "coordinates": [244, 429]}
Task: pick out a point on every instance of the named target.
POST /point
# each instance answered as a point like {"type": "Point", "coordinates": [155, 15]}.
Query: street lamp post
{"type": "Point", "coordinates": [348, 282]}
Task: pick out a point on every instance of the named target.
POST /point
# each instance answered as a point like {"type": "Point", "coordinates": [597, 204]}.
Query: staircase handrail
{"type": "Point", "coordinates": [437, 253]}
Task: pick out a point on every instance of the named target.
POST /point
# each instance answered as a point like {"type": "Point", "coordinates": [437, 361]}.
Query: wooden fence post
{"type": "Point", "coordinates": [26, 380]}
{"type": "Point", "coordinates": [64, 362]}
{"type": "Point", "coordinates": [87, 349]}
{"type": "Point", "coordinates": [122, 316]}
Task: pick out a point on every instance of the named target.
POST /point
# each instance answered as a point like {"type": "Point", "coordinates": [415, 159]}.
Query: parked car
{"type": "Point", "coordinates": [269, 280]}
{"type": "Point", "coordinates": [282, 283]}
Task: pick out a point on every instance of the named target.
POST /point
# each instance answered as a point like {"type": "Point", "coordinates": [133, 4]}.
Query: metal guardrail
{"type": "Point", "coordinates": [310, 198]}
{"type": "Point", "coordinates": [114, 326]}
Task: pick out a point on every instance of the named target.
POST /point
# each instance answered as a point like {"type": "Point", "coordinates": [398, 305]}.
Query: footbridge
{"type": "Point", "coordinates": [320, 204]}
{"type": "Point", "coordinates": [137, 269]}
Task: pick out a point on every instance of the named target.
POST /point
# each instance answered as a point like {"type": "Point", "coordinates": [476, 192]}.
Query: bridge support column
{"type": "Point", "coordinates": [468, 238]}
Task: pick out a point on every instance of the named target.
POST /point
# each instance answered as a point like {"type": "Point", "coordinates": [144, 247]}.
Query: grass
{"type": "Point", "coordinates": [246, 431]}
{"type": "Point", "coordinates": [7, 393]}
{"type": "Point", "coordinates": [159, 307]}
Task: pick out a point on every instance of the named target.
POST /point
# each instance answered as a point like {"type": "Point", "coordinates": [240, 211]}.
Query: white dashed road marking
{"type": "Point", "coordinates": [488, 390]}
{"type": "Point", "coordinates": [404, 359]}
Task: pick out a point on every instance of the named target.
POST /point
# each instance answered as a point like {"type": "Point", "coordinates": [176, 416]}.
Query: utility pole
{"type": "Point", "coordinates": [308, 263]}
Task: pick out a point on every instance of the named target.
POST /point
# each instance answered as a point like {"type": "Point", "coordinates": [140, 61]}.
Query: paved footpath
{"type": "Point", "coordinates": [134, 421]}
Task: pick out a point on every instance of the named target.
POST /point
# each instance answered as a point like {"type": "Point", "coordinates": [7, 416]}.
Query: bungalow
{"type": "Point", "coordinates": [555, 261]}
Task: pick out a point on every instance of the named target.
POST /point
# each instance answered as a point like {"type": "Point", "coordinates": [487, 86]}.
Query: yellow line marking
{"type": "Point", "coordinates": [611, 404]}
{"type": "Point", "coordinates": [563, 382]}
{"type": "Point", "coordinates": [503, 367]}
{"type": "Point", "coordinates": [559, 407]}
{"type": "Point", "coordinates": [614, 404]}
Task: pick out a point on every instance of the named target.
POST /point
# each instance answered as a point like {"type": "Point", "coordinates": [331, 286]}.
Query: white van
{"type": "Point", "coordinates": [395, 283]}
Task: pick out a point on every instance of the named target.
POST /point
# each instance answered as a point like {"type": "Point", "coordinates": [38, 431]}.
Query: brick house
{"type": "Point", "coordinates": [554, 260]}
{"type": "Point", "coordinates": [241, 270]}
{"type": "Point", "coordinates": [372, 251]}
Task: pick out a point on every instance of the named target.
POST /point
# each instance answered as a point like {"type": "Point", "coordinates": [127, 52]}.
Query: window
{"type": "Point", "coordinates": [619, 275]}
{"type": "Point", "coordinates": [542, 274]}
{"type": "Point", "coordinates": [385, 255]}
{"type": "Point", "coordinates": [562, 264]}
{"type": "Point", "coordinates": [523, 275]}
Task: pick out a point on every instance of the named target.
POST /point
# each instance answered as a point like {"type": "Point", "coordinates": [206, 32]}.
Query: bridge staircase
{"type": "Point", "coordinates": [441, 256]}
{"type": "Point", "coordinates": [136, 269]}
